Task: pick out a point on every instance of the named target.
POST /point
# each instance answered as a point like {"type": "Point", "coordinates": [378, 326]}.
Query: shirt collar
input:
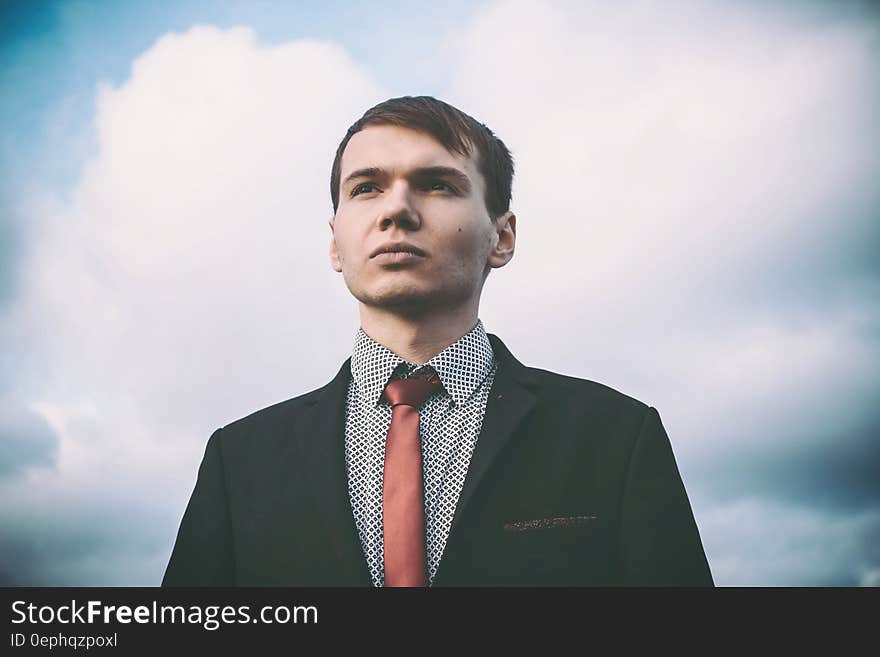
{"type": "Point", "coordinates": [462, 366]}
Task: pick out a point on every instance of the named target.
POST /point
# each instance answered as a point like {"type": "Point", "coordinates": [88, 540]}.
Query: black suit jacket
{"type": "Point", "coordinates": [571, 483]}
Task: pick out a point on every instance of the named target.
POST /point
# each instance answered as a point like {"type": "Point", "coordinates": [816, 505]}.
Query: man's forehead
{"type": "Point", "coordinates": [394, 147]}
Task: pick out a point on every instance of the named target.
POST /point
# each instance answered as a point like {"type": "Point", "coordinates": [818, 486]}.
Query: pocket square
{"type": "Point", "coordinates": [549, 523]}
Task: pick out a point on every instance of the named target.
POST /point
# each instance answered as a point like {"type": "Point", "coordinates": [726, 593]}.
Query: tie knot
{"type": "Point", "coordinates": [411, 392]}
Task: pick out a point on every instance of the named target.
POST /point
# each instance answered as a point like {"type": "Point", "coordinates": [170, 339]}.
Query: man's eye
{"type": "Point", "coordinates": [363, 188]}
{"type": "Point", "coordinates": [439, 186]}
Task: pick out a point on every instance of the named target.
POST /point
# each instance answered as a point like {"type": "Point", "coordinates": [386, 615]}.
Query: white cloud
{"type": "Point", "coordinates": [195, 227]}
{"type": "Point", "coordinates": [663, 146]}
{"type": "Point", "coordinates": [175, 292]}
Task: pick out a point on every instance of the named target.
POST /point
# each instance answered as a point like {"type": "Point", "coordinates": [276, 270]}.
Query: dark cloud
{"type": "Point", "coordinates": [87, 542]}
{"type": "Point", "coordinates": [832, 472]}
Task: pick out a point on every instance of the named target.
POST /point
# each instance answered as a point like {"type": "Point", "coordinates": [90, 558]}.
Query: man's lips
{"type": "Point", "coordinates": [399, 247]}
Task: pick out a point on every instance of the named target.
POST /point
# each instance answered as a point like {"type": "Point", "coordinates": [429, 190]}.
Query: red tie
{"type": "Point", "coordinates": [403, 506]}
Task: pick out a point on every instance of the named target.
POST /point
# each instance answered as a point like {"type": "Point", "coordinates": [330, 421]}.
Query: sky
{"type": "Point", "coordinates": [697, 219]}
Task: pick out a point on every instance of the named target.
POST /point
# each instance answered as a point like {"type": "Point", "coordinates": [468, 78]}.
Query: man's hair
{"type": "Point", "coordinates": [455, 130]}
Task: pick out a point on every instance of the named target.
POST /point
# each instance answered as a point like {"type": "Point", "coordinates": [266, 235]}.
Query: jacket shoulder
{"type": "Point", "coordinates": [582, 392]}
{"type": "Point", "coordinates": [274, 417]}
{"type": "Point", "coordinates": [568, 391]}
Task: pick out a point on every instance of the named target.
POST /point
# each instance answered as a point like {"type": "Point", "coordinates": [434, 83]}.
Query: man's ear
{"type": "Point", "coordinates": [334, 256]}
{"type": "Point", "coordinates": [502, 250]}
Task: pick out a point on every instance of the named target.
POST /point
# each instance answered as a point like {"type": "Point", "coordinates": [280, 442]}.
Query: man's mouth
{"type": "Point", "coordinates": [399, 247]}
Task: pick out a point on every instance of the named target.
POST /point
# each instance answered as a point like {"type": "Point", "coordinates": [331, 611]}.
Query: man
{"type": "Point", "coordinates": [435, 458]}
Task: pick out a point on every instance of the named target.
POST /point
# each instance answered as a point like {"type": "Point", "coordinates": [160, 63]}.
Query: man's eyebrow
{"type": "Point", "coordinates": [454, 175]}
{"type": "Point", "coordinates": [367, 172]}
{"type": "Point", "coordinates": [450, 173]}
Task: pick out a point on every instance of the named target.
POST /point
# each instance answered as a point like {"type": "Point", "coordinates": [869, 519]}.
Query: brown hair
{"type": "Point", "coordinates": [455, 130]}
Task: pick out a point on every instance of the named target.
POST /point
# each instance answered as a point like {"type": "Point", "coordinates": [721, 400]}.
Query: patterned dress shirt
{"type": "Point", "coordinates": [449, 424]}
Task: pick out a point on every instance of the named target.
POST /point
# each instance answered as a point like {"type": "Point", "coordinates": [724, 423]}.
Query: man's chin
{"type": "Point", "coordinates": [406, 301]}
{"type": "Point", "coordinates": [401, 301]}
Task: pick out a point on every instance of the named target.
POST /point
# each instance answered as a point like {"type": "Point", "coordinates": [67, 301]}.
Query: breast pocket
{"type": "Point", "coordinates": [567, 551]}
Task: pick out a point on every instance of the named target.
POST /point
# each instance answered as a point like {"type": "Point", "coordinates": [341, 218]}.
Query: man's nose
{"type": "Point", "coordinates": [398, 209]}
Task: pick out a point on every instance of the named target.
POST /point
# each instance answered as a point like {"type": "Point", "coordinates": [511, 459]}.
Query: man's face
{"type": "Point", "coordinates": [402, 190]}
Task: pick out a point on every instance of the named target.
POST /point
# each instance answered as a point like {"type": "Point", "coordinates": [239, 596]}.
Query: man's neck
{"type": "Point", "coordinates": [417, 339]}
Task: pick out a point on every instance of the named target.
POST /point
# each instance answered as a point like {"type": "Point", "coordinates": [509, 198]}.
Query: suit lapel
{"type": "Point", "coordinates": [509, 403]}
{"type": "Point", "coordinates": [323, 445]}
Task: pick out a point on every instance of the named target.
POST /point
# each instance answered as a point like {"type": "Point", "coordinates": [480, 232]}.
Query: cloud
{"type": "Point", "coordinates": [696, 203]}
{"type": "Point", "coordinates": [756, 542]}
{"type": "Point", "coordinates": [169, 295]}
{"type": "Point", "coordinates": [668, 153]}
